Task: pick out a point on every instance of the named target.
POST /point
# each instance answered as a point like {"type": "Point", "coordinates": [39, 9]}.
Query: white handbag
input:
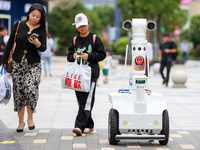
{"type": "Point", "coordinates": [5, 88]}
{"type": "Point", "coordinates": [77, 77]}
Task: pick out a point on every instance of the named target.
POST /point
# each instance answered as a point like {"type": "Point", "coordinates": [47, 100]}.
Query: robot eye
{"type": "Point", "coordinates": [134, 48]}
{"type": "Point", "coordinates": [144, 48]}
{"type": "Point", "coordinates": [151, 25]}
{"type": "Point", "coordinates": [139, 48]}
{"type": "Point", "coordinates": [127, 25]}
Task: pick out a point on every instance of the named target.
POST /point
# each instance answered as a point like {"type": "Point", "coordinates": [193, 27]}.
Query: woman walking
{"type": "Point", "coordinates": [90, 48]}
{"type": "Point", "coordinates": [47, 55]}
{"type": "Point", "coordinates": [26, 66]}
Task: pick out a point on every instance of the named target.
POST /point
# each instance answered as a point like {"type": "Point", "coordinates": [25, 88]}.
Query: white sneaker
{"type": "Point", "coordinates": [88, 130]}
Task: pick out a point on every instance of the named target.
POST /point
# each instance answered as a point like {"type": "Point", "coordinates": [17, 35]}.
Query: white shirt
{"type": "Point", "coordinates": [150, 50]}
{"type": "Point", "coordinates": [184, 47]}
{"type": "Point", "coordinates": [108, 62]}
{"type": "Point", "coordinates": [48, 52]}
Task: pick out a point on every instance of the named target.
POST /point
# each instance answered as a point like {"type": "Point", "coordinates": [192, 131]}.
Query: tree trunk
{"type": "Point", "coordinates": [158, 29]}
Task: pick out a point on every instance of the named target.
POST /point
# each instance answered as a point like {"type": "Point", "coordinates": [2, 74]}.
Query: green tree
{"type": "Point", "coordinates": [193, 34]}
{"type": "Point", "coordinates": [105, 14]}
{"type": "Point", "coordinates": [120, 45]}
{"type": "Point", "coordinates": [194, 30]}
{"type": "Point", "coordinates": [165, 13]}
{"type": "Point", "coordinates": [60, 23]}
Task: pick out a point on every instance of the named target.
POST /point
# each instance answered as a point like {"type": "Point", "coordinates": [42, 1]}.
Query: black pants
{"type": "Point", "coordinates": [86, 103]}
{"type": "Point", "coordinates": [168, 64]}
{"type": "Point", "coordinates": [1, 56]}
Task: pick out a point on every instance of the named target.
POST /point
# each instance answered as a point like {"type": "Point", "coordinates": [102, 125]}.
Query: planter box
{"type": "Point", "coordinates": [180, 61]}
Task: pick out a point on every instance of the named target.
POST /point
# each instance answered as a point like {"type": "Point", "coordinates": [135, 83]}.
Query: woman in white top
{"type": "Point", "coordinates": [108, 61]}
{"type": "Point", "coordinates": [47, 55]}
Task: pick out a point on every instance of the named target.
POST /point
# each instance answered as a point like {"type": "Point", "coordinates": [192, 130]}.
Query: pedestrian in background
{"type": "Point", "coordinates": [150, 51]}
{"type": "Point", "coordinates": [26, 66]}
{"type": "Point", "coordinates": [3, 33]}
{"type": "Point", "coordinates": [91, 52]}
{"type": "Point", "coordinates": [167, 48]}
{"type": "Point", "coordinates": [47, 55]}
{"type": "Point", "coordinates": [108, 62]}
{"type": "Point", "coordinates": [184, 49]}
{"type": "Point", "coordinates": [150, 56]}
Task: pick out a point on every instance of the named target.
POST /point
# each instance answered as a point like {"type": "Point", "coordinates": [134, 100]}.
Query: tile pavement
{"type": "Point", "coordinates": [64, 139]}
{"type": "Point", "coordinates": [57, 110]}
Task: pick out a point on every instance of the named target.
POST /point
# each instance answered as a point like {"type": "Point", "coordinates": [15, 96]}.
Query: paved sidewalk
{"type": "Point", "coordinates": [7, 139]}
{"type": "Point", "coordinates": [63, 139]}
{"type": "Point", "coordinates": [57, 109]}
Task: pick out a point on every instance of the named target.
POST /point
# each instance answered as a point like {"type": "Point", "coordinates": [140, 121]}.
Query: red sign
{"type": "Point", "coordinates": [73, 77]}
{"type": "Point", "coordinates": [139, 64]}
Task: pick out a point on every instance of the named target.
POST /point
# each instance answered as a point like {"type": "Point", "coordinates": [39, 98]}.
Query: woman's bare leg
{"type": "Point", "coordinates": [30, 117]}
{"type": "Point", "coordinates": [21, 118]}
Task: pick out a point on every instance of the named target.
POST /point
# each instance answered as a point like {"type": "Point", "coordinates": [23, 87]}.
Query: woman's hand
{"type": "Point", "coordinates": [75, 56]}
{"type": "Point", "coordinates": [34, 41]}
{"type": "Point", "coordinates": [84, 56]}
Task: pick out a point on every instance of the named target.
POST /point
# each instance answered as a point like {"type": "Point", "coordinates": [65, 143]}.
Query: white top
{"type": "Point", "coordinates": [108, 61]}
{"type": "Point", "coordinates": [150, 50]}
{"type": "Point", "coordinates": [184, 47]}
{"type": "Point", "coordinates": [48, 52]}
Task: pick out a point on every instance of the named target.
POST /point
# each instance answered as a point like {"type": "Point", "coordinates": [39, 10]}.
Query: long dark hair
{"type": "Point", "coordinates": [40, 8]}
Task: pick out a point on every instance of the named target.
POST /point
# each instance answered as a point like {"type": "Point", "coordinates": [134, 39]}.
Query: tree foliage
{"type": "Point", "coordinates": [194, 30]}
{"type": "Point", "coordinates": [60, 22]}
{"type": "Point", "coordinates": [193, 34]}
{"type": "Point", "coordinates": [165, 13]}
{"type": "Point", "coordinates": [105, 14]}
{"type": "Point", "coordinates": [120, 45]}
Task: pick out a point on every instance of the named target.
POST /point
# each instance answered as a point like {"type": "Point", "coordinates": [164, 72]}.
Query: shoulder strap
{"type": "Point", "coordinates": [11, 53]}
{"type": "Point", "coordinates": [74, 40]}
{"type": "Point", "coordinates": [94, 39]}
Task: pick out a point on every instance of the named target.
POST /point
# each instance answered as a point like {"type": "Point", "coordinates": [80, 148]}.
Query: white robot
{"type": "Point", "coordinates": [137, 113]}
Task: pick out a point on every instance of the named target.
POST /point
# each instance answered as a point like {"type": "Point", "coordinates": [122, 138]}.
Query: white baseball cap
{"type": "Point", "coordinates": [80, 20]}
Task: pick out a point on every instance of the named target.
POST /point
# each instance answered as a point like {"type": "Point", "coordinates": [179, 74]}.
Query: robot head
{"type": "Point", "coordinates": [127, 25]}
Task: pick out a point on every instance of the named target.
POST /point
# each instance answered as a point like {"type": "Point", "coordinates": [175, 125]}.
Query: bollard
{"type": "Point", "coordinates": [156, 68]}
{"type": "Point", "coordinates": [179, 78]}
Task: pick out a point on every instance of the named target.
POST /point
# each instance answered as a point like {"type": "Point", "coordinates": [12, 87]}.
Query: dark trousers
{"type": "Point", "coordinates": [184, 55]}
{"type": "Point", "coordinates": [1, 56]}
{"type": "Point", "coordinates": [168, 64]}
{"type": "Point", "coordinates": [86, 103]}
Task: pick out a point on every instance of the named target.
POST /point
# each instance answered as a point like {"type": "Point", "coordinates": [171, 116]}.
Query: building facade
{"type": "Point", "coordinates": [12, 11]}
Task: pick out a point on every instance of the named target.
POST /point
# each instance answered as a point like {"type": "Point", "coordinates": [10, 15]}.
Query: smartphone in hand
{"type": "Point", "coordinates": [34, 35]}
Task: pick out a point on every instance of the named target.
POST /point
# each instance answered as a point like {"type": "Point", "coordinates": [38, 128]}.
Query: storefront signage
{"type": "Point", "coordinates": [28, 5]}
{"type": "Point", "coordinates": [5, 5]}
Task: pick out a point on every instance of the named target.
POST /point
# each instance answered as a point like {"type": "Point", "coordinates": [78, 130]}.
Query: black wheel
{"type": "Point", "coordinates": [165, 128]}
{"type": "Point", "coordinates": [113, 126]}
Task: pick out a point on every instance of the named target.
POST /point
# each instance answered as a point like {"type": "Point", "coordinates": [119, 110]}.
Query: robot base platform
{"type": "Point", "coordinates": [138, 120]}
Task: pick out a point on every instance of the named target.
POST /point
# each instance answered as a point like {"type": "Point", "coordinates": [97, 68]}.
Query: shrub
{"type": "Point", "coordinates": [120, 45]}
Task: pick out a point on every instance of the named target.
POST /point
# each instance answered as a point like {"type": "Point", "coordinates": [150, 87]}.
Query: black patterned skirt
{"type": "Point", "coordinates": [26, 80]}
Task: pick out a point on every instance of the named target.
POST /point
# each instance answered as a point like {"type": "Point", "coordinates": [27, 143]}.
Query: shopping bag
{"type": "Point", "coordinates": [5, 88]}
{"type": "Point", "coordinates": [77, 77]}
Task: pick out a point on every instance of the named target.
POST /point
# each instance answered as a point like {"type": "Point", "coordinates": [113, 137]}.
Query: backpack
{"type": "Point", "coordinates": [100, 63]}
